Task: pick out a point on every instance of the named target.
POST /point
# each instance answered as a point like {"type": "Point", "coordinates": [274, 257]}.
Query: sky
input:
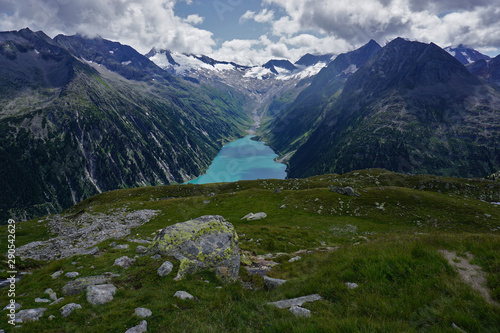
{"type": "Point", "coordinates": [250, 32]}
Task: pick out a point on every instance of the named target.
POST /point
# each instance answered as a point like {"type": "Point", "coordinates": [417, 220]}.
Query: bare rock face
{"type": "Point", "coordinates": [206, 243]}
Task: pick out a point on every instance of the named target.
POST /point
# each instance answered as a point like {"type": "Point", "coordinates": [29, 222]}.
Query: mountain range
{"type": "Point", "coordinates": [82, 115]}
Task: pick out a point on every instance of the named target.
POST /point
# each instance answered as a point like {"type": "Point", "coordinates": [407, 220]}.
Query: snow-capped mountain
{"type": "Point", "coordinates": [466, 55]}
{"type": "Point", "coordinates": [189, 65]}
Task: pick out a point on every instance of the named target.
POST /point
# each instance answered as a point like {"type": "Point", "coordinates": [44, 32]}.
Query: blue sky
{"type": "Point", "coordinates": [250, 32]}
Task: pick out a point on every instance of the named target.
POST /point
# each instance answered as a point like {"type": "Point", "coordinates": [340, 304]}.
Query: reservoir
{"type": "Point", "coordinates": [243, 159]}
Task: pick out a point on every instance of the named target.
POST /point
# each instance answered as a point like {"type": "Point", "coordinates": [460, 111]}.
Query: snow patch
{"type": "Point", "coordinates": [126, 63]}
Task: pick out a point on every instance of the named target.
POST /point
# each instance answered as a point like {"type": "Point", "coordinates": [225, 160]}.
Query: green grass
{"type": "Point", "coordinates": [405, 285]}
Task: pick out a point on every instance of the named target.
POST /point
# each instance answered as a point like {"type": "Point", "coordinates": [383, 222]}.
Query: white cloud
{"type": "Point", "coordinates": [265, 16]}
{"type": "Point", "coordinates": [356, 21]}
{"type": "Point", "coordinates": [141, 24]}
{"type": "Point", "coordinates": [194, 19]}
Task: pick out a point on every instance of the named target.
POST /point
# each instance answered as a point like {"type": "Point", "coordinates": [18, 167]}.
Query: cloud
{"type": "Point", "coordinates": [444, 22]}
{"type": "Point", "coordinates": [194, 19]}
{"type": "Point", "coordinates": [265, 16]}
{"type": "Point", "coordinates": [139, 23]}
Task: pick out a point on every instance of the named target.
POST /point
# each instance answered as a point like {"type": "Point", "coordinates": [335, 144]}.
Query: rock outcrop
{"type": "Point", "coordinates": [206, 243]}
{"type": "Point", "coordinates": [78, 235]}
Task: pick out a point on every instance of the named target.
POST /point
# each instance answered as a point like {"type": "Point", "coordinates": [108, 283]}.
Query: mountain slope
{"type": "Point", "coordinates": [412, 108]}
{"type": "Point", "coordinates": [311, 60]}
{"type": "Point", "coordinates": [488, 70]}
{"type": "Point", "coordinates": [293, 126]}
{"type": "Point", "coordinates": [61, 143]}
{"type": "Point", "coordinates": [466, 55]}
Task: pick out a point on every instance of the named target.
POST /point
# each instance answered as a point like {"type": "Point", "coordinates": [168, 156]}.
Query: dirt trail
{"type": "Point", "coordinates": [470, 274]}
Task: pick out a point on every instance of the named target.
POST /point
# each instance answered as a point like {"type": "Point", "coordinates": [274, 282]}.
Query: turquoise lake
{"type": "Point", "coordinates": [243, 159]}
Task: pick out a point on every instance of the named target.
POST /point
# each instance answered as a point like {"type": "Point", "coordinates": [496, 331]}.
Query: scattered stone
{"type": "Point", "coordinates": [77, 286]}
{"type": "Point", "coordinates": [294, 259]}
{"type": "Point", "coordinates": [141, 249]}
{"type": "Point", "coordinates": [122, 247]}
{"type": "Point", "coordinates": [283, 206]}
{"type": "Point", "coordinates": [349, 191]}
{"type": "Point", "coordinates": [91, 252]}
{"type": "Point", "coordinates": [29, 315]}
{"type": "Point", "coordinates": [100, 294]}
{"type": "Point", "coordinates": [183, 295]}
{"type": "Point", "coordinates": [288, 303]}
{"type": "Point", "coordinates": [300, 312]}
{"type": "Point", "coordinates": [156, 257]}
{"type": "Point", "coordinates": [487, 215]}
{"type": "Point", "coordinates": [351, 285]}
{"type": "Point", "coordinates": [277, 191]}
{"type": "Point", "coordinates": [455, 327]}
{"type": "Point", "coordinates": [112, 244]}
{"type": "Point", "coordinates": [206, 202]}
{"type": "Point", "coordinates": [74, 263]}
{"type": "Point", "coordinates": [344, 191]}
{"type": "Point", "coordinates": [68, 308]}
{"type": "Point", "coordinates": [141, 328]}
{"type": "Point", "coordinates": [51, 293]}
{"type": "Point", "coordinates": [15, 306]}
{"type": "Point", "coordinates": [273, 283]}
{"type": "Point", "coordinates": [52, 317]}
{"type": "Point", "coordinates": [165, 268]}
{"type": "Point", "coordinates": [124, 262]}
{"type": "Point", "coordinates": [143, 312]}
{"type": "Point", "coordinates": [57, 274]}
{"type": "Point", "coordinates": [206, 243]}
{"type": "Point", "coordinates": [254, 217]}
{"type": "Point", "coordinates": [71, 274]}
{"type": "Point", "coordinates": [57, 301]}
{"type": "Point", "coordinates": [42, 300]}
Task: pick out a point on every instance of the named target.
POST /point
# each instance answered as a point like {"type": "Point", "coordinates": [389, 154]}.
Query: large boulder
{"type": "Point", "coordinates": [206, 243]}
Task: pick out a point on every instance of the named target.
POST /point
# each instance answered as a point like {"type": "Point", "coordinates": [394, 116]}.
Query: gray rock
{"type": "Point", "coordinates": [79, 236]}
{"type": "Point", "coordinates": [59, 300]}
{"type": "Point", "coordinates": [29, 315]}
{"type": "Point", "coordinates": [141, 328]}
{"type": "Point", "coordinates": [273, 283]}
{"type": "Point", "coordinates": [51, 293]}
{"type": "Point", "coordinates": [100, 294]}
{"type": "Point", "coordinates": [300, 312]}
{"type": "Point", "coordinates": [349, 191]}
{"type": "Point", "coordinates": [143, 312]}
{"type": "Point", "coordinates": [91, 252]}
{"type": "Point", "coordinates": [15, 306]}
{"type": "Point", "coordinates": [71, 274]}
{"type": "Point", "coordinates": [122, 247]}
{"type": "Point", "coordinates": [165, 268]}
{"type": "Point", "coordinates": [206, 243]}
{"type": "Point", "coordinates": [57, 274]}
{"type": "Point", "coordinates": [351, 285]}
{"type": "Point", "coordinates": [112, 244]}
{"type": "Point", "coordinates": [183, 295]}
{"type": "Point", "coordinates": [124, 262]}
{"type": "Point", "coordinates": [42, 300]}
{"type": "Point", "coordinates": [156, 256]}
{"type": "Point", "coordinates": [77, 286]}
{"type": "Point", "coordinates": [288, 303]}
{"type": "Point", "coordinates": [297, 258]}
{"type": "Point", "coordinates": [254, 217]}
{"type": "Point", "coordinates": [141, 249]}
{"type": "Point", "coordinates": [68, 308]}
{"type": "Point", "coordinates": [52, 317]}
